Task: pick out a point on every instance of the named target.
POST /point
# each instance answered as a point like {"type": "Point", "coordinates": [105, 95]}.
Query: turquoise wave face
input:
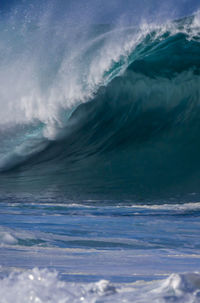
{"type": "Point", "coordinates": [138, 132]}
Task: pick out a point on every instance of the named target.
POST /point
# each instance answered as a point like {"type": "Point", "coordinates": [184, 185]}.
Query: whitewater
{"type": "Point", "coordinates": [70, 252]}
{"type": "Point", "coordinates": [99, 156]}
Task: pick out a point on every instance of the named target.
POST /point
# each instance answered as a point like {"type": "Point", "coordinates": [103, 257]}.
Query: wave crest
{"type": "Point", "coordinates": [135, 114]}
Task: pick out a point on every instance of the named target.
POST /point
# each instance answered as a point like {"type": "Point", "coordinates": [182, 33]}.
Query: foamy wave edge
{"type": "Point", "coordinates": [42, 285]}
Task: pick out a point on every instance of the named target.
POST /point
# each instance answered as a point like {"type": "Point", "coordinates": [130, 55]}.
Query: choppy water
{"type": "Point", "coordinates": [99, 253]}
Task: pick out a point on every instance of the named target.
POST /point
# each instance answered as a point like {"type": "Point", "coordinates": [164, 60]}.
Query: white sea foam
{"type": "Point", "coordinates": [45, 84]}
{"type": "Point", "coordinates": [44, 286]}
{"type": "Point", "coordinates": [193, 206]}
{"type": "Point", "coordinates": [7, 238]}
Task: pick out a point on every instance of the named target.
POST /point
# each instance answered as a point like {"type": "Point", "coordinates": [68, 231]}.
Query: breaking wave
{"type": "Point", "coordinates": [118, 110]}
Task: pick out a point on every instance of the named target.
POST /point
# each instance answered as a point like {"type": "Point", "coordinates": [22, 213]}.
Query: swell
{"type": "Point", "coordinates": [139, 134]}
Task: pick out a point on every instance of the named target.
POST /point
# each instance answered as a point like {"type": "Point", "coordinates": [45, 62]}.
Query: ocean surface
{"type": "Point", "coordinates": [99, 161]}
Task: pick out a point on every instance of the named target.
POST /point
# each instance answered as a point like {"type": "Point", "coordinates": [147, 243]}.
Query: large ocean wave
{"type": "Point", "coordinates": [116, 111]}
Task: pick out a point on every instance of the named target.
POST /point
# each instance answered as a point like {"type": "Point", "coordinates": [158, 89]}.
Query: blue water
{"type": "Point", "coordinates": [99, 161]}
{"type": "Point", "coordinates": [89, 242]}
